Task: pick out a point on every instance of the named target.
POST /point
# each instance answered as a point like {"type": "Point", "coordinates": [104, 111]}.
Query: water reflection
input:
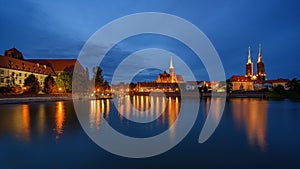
{"type": "Point", "coordinates": [16, 121]}
{"type": "Point", "coordinates": [215, 110]}
{"type": "Point", "coordinates": [98, 108]}
{"type": "Point", "coordinates": [173, 110]}
{"type": "Point", "coordinates": [59, 118]}
{"type": "Point", "coordinates": [41, 120]}
{"type": "Point", "coordinates": [252, 115]}
{"type": "Point", "coordinates": [25, 122]}
{"type": "Point", "coordinates": [145, 109]}
{"type": "Point", "coordinates": [152, 114]}
{"type": "Point", "coordinates": [142, 109]}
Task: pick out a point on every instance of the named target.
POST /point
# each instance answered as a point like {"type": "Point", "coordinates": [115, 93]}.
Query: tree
{"type": "Point", "coordinates": [98, 78]}
{"type": "Point", "coordinates": [32, 84]}
{"type": "Point", "coordinates": [82, 84]}
{"type": "Point", "coordinates": [203, 88]}
{"type": "Point", "coordinates": [229, 85]}
{"type": "Point", "coordinates": [131, 86]}
{"type": "Point", "coordinates": [49, 84]}
{"type": "Point", "coordinates": [293, 85]}
{"type": "Point", "coordinates": [65, 80]}
{"type": "Point", "coordinates": [98, 81]}
{"type": "Point", "coordinates": [279, 89]}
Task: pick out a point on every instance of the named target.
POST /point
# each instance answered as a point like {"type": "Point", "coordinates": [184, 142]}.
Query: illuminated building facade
{"type": "Point", "coordinates": [249, 66]}
{"type": "Point", "coordinates": [261, 73]}
{"type": "Point", "coordinates": [14, 69]}
{"type": "Point", "coordinates": [165, 81]}
{"type": "Point", "coordinates": [250, 81]}
{"type": "Point", "coordinates": [170, 77]}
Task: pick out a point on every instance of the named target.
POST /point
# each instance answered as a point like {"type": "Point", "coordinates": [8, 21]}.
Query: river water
{"type": "Point", "coordinates": [252, 133]}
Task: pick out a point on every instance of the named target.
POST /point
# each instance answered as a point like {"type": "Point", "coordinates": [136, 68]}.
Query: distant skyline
{"type": "Point", "coordinates": [59, 29]}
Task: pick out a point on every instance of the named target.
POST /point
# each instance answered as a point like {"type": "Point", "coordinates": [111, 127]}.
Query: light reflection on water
{"type": "Point", "coordinates": [97, 109]}
{"type": "Point", "coordinates": [251, 114]}
{"type": "Point", "coordinates": [160, 110]}
{"type": "Point", "coordinates": [59, 118]}
{"type": "Point", "coordinates": [248, 114]}
{"type": "Point", "coordinates": [16, 122]}
{"type": "Point", "coordinates": [252, 133]}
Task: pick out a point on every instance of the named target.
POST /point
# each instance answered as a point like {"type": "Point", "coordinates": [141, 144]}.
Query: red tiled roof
{"type": "Point", "coordinates": [280, 80]}
{"type": "Point", "coordinates": [60, 65]}
{"type": "Point", "coordinates": [12, 50]}
{"type": "Point", "coordinates": [23, 65]}
{"type": "Point", "coordinates": [236, 78]}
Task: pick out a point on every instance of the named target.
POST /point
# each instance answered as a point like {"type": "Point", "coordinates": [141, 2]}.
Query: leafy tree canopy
{"type": "Point", "coordinates": [32, 84]}
{"type": "Point", "coordinates": [49, 84]}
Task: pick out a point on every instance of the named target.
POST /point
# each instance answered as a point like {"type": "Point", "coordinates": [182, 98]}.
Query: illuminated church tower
{"type": "Point", "coordinates": [171, 71]}
{"type": "Point", "coordinates": [249, 66]}
{"type": "Point", "coordinates": [260, 67]}
{"type": "Point", "coordinates": [170, 77]}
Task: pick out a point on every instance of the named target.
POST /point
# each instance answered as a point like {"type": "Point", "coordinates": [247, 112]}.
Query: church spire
{"type": "Point", "coordinates": [259, 54]}
{"type": "Point", "coordinates": [249, 56]}
{"type": "Point", "coordinates": [171, 63]}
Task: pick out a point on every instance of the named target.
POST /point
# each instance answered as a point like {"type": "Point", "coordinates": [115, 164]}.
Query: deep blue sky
{"type": "Point", "coordinates": [59, 28]}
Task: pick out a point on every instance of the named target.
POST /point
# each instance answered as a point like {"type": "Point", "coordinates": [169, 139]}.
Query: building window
{"type": "Point", "coordinates": [20, 81]}
{"type": "Point", "coordinates": [1, 80]}
{"type": "Point", "coordinates": [2, 72]}
{"type": "Point", "coordinates": [25, 75]}
{"type": "Point", "coordinates": [10, 64]}
{"type": "Point", "coordinates": [20, 74]}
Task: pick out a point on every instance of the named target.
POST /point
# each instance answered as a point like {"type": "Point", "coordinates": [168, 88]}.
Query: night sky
{"type": "Point", "coordinates": [59, 29]}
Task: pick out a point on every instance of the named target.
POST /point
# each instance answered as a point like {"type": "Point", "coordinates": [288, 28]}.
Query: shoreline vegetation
{"type": "Point", "coordinates": [24, 98]}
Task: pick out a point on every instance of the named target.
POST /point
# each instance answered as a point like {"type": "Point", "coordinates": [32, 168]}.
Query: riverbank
{"type": "Point", "coordinates": [25, 98]}
{"type": "Point", "coordinates": [254, 94]}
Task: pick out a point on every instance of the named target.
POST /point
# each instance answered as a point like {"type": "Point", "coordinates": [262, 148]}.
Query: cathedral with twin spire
{"type": "Point", "coordinates": [260, 67]}
{"type": "Point", "coordinates": [251, 81]}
